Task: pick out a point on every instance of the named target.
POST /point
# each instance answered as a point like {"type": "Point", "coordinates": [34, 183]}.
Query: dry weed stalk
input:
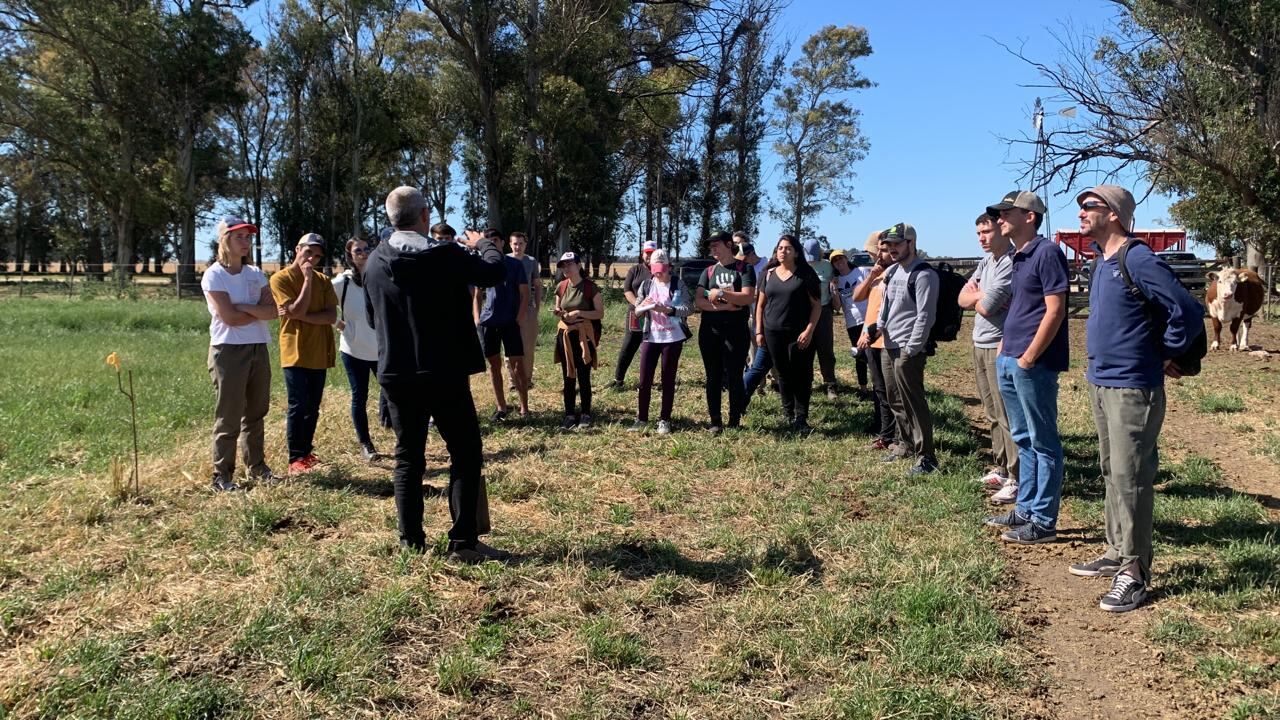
{"type": "Point", "coordinates": [135, 483]}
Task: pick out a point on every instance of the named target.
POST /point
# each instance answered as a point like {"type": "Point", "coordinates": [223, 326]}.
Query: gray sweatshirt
{"type": "Point", "coordinates": [995, 277]}
{"type": "Point", "coordinates": [906, 319]}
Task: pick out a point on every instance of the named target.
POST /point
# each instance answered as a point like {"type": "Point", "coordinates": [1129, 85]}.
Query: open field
{"type": "Point", "coordinates": [753, 575]}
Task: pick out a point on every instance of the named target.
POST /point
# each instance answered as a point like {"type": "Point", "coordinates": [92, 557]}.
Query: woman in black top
{"type": "Point", "coordinates": [787, 310]}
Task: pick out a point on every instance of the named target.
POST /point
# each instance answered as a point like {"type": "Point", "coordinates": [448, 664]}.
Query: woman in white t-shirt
{"type": "Point", "coordinates": [847, 278]}
{"type": "Point", "coordinates": [357, 343]}
{"type": "Point", "coordinates": [240, 304]}
{"type": "Point", "coordinates": [662, 305]}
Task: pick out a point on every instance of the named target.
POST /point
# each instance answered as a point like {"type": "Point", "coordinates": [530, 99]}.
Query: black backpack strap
{"type": "Point", "coordinates": [1124, 269]}
{"type": "Point", "coordinates": [343, 302]}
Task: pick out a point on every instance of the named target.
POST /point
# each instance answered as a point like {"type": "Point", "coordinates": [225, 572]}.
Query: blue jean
{"type": "Point", "coordinates": [358, 372]}
{"type": "Point", "coordinates": [1031, 402]}
{"type": "Point", "coordinates": [305, 388]}
{"type": "Point", "coordinates": [760, 366]}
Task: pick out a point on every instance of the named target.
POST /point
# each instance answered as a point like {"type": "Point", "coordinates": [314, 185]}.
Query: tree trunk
{"type": "Point", "coordinates": [1254, 259]}
{"type": "Point", "coordinates": [187, 240]}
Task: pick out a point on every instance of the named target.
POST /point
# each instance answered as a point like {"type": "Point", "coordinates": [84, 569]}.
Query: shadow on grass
{"type": "Point", "coordinates": [378, 488]}
{"type": "Point", "coordinates": [642, 559]}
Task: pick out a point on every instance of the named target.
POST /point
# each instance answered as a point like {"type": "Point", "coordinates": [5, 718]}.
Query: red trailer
{"type": "Point", "coordinates": [1079, 252]}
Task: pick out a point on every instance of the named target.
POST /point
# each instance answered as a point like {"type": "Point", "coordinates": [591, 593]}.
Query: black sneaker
{"type": "Point", "coordinates": [802, 428]}
{"type": "Point", "coordinates": [924, 467]}
{"type": "Point", "coordinates": [465, 556]}
{"type": "Point", "coordinates": [222, 484]}
{"type": "Point", "coordinates": [584, 422]}
{"type": "Point", "coordinates": [1030, 534]}
{"type": "Point", "coordinates": [638, 426]}
{"type": "Point", "coordinates": [831, 391]}
{"type": "Point", "coordinates": [491, 553]}
{"type": "Point", "coordinates": [1127, 592]}
{"type": "Point", "coordinates": [498, 416]}
{"type": "Point", "coordinates": [618, 385]}
{"type": "Point", "coordinates": [569, 422]}
{"type": "Point", "coordinates": [715, 429]}
{"type": "Point", "coordinates": [1008, 520]}
{"type": "Point", "coordinates": [1102, 567]}
{"type": "Point", "coordinates": [368, 452]}
{"type": "Point", "coordinates": [266, 477]}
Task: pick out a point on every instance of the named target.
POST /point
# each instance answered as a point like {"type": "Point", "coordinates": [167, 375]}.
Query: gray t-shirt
{"type": "Point", "coordinates": [906, 318]}
{"type": "Point", "coordinates": [531, 271]}
{"type": "Point", "coordinates": [995, 277]}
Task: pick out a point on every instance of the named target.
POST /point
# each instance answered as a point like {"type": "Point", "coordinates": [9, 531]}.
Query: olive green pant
{"type": "Point", "coordinates": [1129, 421]}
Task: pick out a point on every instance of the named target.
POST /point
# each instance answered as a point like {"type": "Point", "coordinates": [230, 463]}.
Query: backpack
{"type": "Point", "coordinates": [1188, 361]}
{"type": "Point", "coordinates": [589, 292]}
{"type": "Point", "coordinates": [946, 320]}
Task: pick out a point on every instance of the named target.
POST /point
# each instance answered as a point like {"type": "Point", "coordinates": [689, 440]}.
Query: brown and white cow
{"type": "Point", "coordinates": [1234, 296]}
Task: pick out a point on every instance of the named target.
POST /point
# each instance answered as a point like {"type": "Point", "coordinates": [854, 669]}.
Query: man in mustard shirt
{"type": "Point", "coordinates": [308, 307]}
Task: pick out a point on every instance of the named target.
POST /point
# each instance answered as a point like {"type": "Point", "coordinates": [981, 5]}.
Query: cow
{"type": "Point", "coordinates": [1234, 296]}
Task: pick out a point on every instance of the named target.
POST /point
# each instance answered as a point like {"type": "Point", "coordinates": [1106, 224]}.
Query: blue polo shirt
{"type": "Point", "coordinates": [1039, 269]}
{"type": "Point", "coordinates": [1124, 349]}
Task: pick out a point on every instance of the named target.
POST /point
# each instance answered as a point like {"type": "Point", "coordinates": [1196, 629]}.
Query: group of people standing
{"type": "Point", "coordinates": [1141, 322]}
{"type": "Point", "coordinates": [424, 310]}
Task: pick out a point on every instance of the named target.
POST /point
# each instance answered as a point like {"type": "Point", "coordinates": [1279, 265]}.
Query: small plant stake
{"type": "Point", "coordinates": [114, 361]}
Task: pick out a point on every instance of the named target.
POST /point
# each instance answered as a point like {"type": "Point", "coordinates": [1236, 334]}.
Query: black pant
{"type": "Point", "coordinates": [447, 399]}
{"type": "Point", "coordinates": [859, 360]}
{"type": "Point", "coordinates": [581, 384]}
{"type": "Point", "coordinates": [630, 344]}
{"type": "Point", "coordinates": [304, 388]}
{"type": "Point", "coordinates": [795, 372]}
{"type": "Point", "coordinates": [358, 372]}
{"type": "Point", "coordinates": [882, 423]}
{"type": "Point", "coordinates": [824, 343]}
{"type": "Point", "coordinates": [724, 350]}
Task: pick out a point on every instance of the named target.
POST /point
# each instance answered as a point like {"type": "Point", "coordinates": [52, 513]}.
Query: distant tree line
{"type": "Point", "coordinates": [598, 124]}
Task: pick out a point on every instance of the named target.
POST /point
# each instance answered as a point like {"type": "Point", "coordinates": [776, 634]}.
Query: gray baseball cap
{"type": "Point", "coordinates": [1021, 199]}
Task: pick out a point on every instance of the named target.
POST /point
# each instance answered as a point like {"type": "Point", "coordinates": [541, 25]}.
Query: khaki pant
{"type": "Point", "coordinates": [529, 336]}
{"type": "Point", "coordinates": [904, 383]}
{"type": "Point", "coordinates": [1004, 453]}
{"type": "Point", "coordinates": [242, 382]}
{"type": "Point", "coordinates": [1129, 421]}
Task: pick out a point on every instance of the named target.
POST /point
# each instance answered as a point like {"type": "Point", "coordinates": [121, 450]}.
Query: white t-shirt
{"type": "Point", "coordinates": [662, 328]}
{"type": "Point", "coordinates": [855, 313]}
{"type": "Point", "coordinates": [244, 288]}
{"type": "Point", "coordinates": [358, 339]}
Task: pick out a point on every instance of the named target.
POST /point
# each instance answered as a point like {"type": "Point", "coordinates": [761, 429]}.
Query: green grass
{"type": "Point", "coordinates": [1221, 403]}
{"type": "Point", "coordinates": [755, 574]}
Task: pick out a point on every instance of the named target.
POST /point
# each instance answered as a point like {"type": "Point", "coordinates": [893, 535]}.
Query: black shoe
{"type": "Point", "coordinates": [465, 556]}
{"type": "Point", "coordinates": [569, 422]}
{"type": "Point", "coordinates": [417, 547]}
{"type": "Point", "coordinates": [831, 391]}
{"type": "Point", "coordinates": [801, 427]}
{"type": "Point", "coordinates": [1102, 567]}
{"type": "Point", "coordinates": [1127, 592]}
{"type": "Point", "coordinates": [1030, 534]}
{"type": "Point", "coordinates": [222, 484]}
{"type": "Point", "coordinates": [925, 466]}
{"type": "Point", "coordinates": [498, 416]}
{"type": "Point", "coordinates": [715, 429]}
{"type": "Point", "coordinates": [584, 422]}
{"type": "Point", "coordinates": [491, 553]}
{"type": "Point", "coordinates": [618, 385]}
{"type": "Point", "coordinates": [368, 452]}
{"type": "Point", "coordinates": [266, 477]}
{"type": "Point", "coordinates": [1006, 521]}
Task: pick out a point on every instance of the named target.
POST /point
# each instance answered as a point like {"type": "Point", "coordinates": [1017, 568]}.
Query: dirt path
{"type": "Point", "coordinates": [1094, 664]}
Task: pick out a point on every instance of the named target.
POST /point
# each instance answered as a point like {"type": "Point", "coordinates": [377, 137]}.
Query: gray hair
{"type": "Point", "coordinates": [404, 206]}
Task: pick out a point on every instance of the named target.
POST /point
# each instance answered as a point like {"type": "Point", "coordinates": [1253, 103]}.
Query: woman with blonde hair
{"type": "Point", "coordinates": [240, 304]}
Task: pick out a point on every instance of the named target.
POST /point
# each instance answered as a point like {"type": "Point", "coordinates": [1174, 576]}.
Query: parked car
{"type": "Point", "coordinates": [1188, 268]}
{"type": "Point", "coordinates": [690, 270]}
{"type": "Point", "coordinates": [860, 259]}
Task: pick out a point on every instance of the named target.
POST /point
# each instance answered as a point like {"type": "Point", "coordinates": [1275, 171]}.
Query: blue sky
{"type": "Point", "coordinates": [945, 93]}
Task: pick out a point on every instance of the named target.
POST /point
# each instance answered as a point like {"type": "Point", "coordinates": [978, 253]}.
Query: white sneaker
{"type": "Point", "coordinates": [1007, 495]}
{"type": "Point", "coordinates": [664, 427]}
{"type": "Point", "coordinates": [993, 481]}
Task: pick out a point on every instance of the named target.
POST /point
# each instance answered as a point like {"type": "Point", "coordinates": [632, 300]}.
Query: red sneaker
{"type": "Point", "coordinates": [298, 466]}
{"type": "Point", "coordinates": [310, 460]}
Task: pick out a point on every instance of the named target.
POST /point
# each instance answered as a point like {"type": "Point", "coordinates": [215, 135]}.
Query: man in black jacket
{"type": "Point", "coordinates": [418, 294]}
